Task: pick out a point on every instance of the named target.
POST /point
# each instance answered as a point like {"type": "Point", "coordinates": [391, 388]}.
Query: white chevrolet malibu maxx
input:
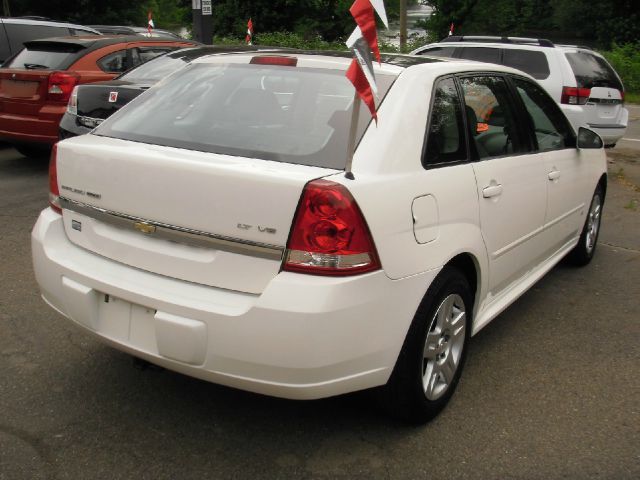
{"type": "Point", "coordinates": [210, 226]}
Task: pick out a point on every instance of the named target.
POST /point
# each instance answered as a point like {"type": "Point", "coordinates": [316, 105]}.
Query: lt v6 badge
{"type": "Point", "coordinates": [270, 230]}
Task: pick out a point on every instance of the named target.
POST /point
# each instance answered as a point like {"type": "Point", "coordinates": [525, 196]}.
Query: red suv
{"type": "Point", "coordinates": [35, 85]}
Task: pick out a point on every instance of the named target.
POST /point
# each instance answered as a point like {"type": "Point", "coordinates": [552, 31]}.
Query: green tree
{"type": "Point", "coordinates": [166, 13]}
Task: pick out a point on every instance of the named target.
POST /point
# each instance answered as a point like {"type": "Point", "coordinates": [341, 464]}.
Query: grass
{"type": "Point", "coordinates": [631, 97]}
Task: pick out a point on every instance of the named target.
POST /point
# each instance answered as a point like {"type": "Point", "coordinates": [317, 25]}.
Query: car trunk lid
{"type": "Point", "coordinates": [99, 101]}
{"type": "Point", "coordinates": [206, 218]}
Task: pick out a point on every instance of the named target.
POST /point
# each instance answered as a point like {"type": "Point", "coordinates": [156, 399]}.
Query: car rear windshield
{"type": "Point", "coordinates": [592, 71]}
{"type": "Point", "coordinates": [287, 114]}
{"type": "Point", "coordinates": [49, 57]}
{"type": "Point", "coordinates": [155, 70]}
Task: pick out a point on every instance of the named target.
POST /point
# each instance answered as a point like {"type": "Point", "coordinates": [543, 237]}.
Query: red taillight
{"type": "Point", "coordinates": [54, 191]}
{"type": "Point", "coordinates": [622, 96]}
{"type": "Point", "coordinates": [279, 60]}
{"type": "Point", "coordinates": [575, 96]}
{"type": "Point", "coordinates": [329, 235]}
{"type": "Point", "coordinates": [60, 86]}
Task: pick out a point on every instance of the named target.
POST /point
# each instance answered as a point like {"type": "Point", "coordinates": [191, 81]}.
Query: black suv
{"type": "Point", "coordinates": [16, 31]}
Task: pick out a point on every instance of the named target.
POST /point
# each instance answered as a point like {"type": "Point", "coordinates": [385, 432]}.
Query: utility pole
{"type": "Point", "coordinates": [5, 5]}
{"type": "Point", "coordinates": [202, 21]}
{"type": "Point", "coordinates": [403, 24]}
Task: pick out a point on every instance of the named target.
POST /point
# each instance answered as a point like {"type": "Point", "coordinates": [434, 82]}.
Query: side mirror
{"type": "Point", "coordinates": [589, 139]}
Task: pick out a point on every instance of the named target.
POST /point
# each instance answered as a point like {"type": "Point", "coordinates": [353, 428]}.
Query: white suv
{"type": "Point", "coordinates": [585, 85]}
{"type": "Point", "coordinates": [209, 226]}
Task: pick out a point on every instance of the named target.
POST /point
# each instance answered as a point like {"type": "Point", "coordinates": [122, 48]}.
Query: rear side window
{"type": "Point", "coordinates": [287, 114]}
{"type": "Point", "coordinates": [445, 139]}
{"type": "Point", "coordinates": [491, 117]}
{"type": "Point", "coordinates": [592, 71]}
{"type": "Point", "coordinates": [480, 54]}
{"type": "Point", "coordinates": [48, 57]}
{"type": "Point", "coordinates": [438, 52]}
{"type": "Point", "coordinates": [532, 62]}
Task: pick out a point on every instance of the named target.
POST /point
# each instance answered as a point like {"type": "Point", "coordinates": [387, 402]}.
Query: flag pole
{"type": "Point", "coordinates": [353, 130]}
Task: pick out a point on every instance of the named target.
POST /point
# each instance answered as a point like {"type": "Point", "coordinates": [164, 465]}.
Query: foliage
{"type": "Point", "coordinates": [607, 21]}
{"type": "Point", "coordinates": [626, 61]}
{"type": "Point", "coordinates": [307, 18]}
{"type": "Point", "coordinates": [166, 13]}
{"type": "Point", "coordinates": [283, 39]}
{"type": "Point", "coordinates": [604, 22]}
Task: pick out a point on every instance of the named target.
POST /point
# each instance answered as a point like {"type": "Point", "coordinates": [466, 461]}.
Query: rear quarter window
{"type": "Point", "coordinates": [532, 62]}
{"type": "Point", "coordinates": [116, 62]}
{"type": "Point", "coordinates": [592, 71]}
{"type": "Point", "coordinates": [480, 54]}
{"type": "Point", "coordinates": [438, 52]}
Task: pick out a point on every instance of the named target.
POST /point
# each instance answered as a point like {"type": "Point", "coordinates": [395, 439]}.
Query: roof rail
{"type": "Point", "coordinates": [543, 42]}
{"type": "Point", "coordinates": [35, 17]}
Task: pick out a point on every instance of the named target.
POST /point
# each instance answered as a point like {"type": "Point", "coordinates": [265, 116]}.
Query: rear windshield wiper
{"type": "Point", "coordinates": [35, 66]}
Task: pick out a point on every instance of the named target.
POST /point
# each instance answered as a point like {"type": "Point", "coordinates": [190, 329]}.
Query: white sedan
{"type": "Point", "coordinates": [210, 227]}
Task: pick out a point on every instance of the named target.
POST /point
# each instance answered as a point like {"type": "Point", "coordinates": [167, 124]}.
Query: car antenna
{"type": "Point", "coordinates": [351, 145]}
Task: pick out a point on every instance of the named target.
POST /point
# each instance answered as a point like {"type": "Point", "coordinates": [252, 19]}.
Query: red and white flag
{"type": "Point", "coordinates": [249, 36]}
{"type": "Point", "coordinates": [150, 24]}
{"type": "Point", "coordinates": [363, 41]}
{"type": "Point", "coordinates": [451, 29]}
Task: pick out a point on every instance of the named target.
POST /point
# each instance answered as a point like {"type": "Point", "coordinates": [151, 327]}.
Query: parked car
{"type": "Point", "coordinates": [210, 227]}
{"type": "Point", "coordinates": [15, 31]}
{"type": "Point", "coordinates": [35, 85]}
{"type": "Point", "coordinates": [585, 85]}
{"type": "Point", "coordinates": [90, 104]}
{"type": "Point", "coordinates": [126, 30]}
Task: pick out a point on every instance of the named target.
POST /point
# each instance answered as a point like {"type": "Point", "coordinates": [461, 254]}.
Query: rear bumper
{"type": "Point", "coordinates": [69, 127]}
{"type": "Point", "coordinates": [610, 132]}
{"type": "Point", "coordinates": [28, 129]}
{"type": "Point", "coordinates": [304, 337]}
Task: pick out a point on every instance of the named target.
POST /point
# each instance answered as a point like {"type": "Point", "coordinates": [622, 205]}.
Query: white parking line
{"type": "Point", "coordinates": [631, 139]}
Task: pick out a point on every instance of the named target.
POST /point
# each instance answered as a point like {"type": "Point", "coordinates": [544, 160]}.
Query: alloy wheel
{"type": "Point", "coordinates": [443, 346]}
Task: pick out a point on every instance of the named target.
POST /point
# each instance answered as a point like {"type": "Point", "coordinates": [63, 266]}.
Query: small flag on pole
{"type": "Point", "coordinates": [249, 36]}
{"type": "Point", "coordinates": [362, 42]}
{"type": "Point", "coordinates": [150, 24]}
{"type": "Point", "coordinates": [451, 29]}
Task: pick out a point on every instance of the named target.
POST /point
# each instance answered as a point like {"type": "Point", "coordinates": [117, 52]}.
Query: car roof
{"type": "Point", "coordinates": [392, 64]}
{"type": "Point", "coordinates": [46, 23]}
{"type": "Point", "coordinates": [503, 42]}
{"type": "Point", "coordinates": [392, 59]}
{"type": "Point", "coordinates": [97, 41]}
{"type": "Point", "coordinates": [127, 29]}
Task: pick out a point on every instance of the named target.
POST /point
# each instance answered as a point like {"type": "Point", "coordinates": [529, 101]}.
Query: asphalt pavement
{"type": "Point", "coordinates": [551, 388]}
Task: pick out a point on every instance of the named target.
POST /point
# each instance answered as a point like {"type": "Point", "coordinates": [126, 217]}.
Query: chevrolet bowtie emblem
{"type": "Point", "coordinates": [144, 228]}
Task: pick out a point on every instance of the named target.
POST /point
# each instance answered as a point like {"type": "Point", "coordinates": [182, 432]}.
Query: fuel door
{"type": "Point", "coordinates": [426, 218]}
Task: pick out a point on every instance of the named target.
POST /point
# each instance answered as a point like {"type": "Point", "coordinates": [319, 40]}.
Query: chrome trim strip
{"type": "Point", "coordinates": [177, 234]}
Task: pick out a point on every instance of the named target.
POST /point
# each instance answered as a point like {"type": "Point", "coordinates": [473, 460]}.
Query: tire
{"type": "Point", "coordinates": [583, 252]}
{"type": "Point", "coordinates": [34, 151]}
{"type": "Point", "coordinates": [433, 355]}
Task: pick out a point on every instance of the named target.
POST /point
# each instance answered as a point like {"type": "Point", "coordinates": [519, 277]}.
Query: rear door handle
{"type": "Point", "coordinates": [492, 191]}
{"type": "Point", "coordinates": [554, 175]}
